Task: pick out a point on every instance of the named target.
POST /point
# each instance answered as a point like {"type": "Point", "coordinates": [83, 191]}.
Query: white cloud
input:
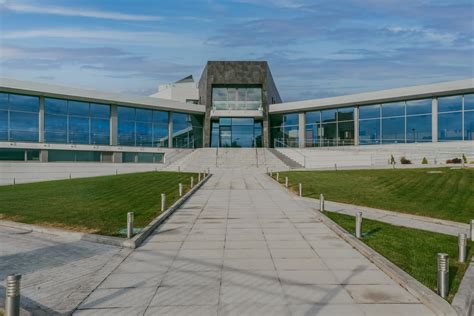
{"type": "Point", "coordinates": [90, 13]}
{"type": "Point", "coordinates": [130, 37]}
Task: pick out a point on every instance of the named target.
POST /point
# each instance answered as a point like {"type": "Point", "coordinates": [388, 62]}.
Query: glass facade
{"type": "Point", "coordinates": [14, 154]}
{"type": "Point", "coordinates": [142, 127]}
{"type": "Point", "coordinates": [284, 130]}
{"type": "Point", "coordinates": [74, 122]}
{"type": "Point", "coordinates": [187, 130]}
{"type": "Point", "coordinates": [236, 97]}
{"type": "Point", "coordinates": [333, 127]}
{"type": "Point", "coordinates": [19, 118]}
{"type": "Point", "coordinates": [450, 117]}
{"type": "Point", "coordinates": [133, 157]}
{"type": "Point", "coordinates": [236, 132]}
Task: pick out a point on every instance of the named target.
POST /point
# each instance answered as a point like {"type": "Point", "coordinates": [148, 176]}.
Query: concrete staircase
{"type": "Point", "coordinates": [229, 158]}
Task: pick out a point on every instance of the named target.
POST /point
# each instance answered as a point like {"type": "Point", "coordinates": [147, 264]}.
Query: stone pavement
{"type": "Point", "coordinates": [242, 245]}
{"type": "Point", "coordinates": [394, 218]}
{"type": "Point", "coordinates": [57, 273]}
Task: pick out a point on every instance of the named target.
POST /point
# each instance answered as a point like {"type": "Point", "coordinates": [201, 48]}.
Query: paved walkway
{"type": "Point", "coordinates": [57, 273]}
{"type": "Point", "coordinates": [398, 219]}
{"type": "Point", "coordinates": [242, 245]}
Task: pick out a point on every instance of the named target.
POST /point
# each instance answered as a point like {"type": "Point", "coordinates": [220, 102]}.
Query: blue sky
{"type": "Point", "coordinates": [316, 48]}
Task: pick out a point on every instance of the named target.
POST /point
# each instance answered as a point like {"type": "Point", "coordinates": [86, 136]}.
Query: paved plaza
{"type": "Point", "coordinates": [242, 245]}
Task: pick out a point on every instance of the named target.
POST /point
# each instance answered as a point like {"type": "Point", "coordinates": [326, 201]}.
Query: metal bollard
{"type": "Point", "coordinates": [286, 182]}
{"type": "Point", "coordinates": [358, 224]}
{"type": "Point", "coordinates": [443, 274]}
{"type": "Point", "coordinates": [69, 176]}
{"type": "Point", "coordinates": [199, 177]}
{"type": "Point", "coordinates": [192, 182]}
{"type": "Point", "coordinates": [462, 243]}
{"type": "Point", "coordinates": [278, 176]}
{"type": "Point", "coordinates": [321, 202]}
{"type": "Point", "coordinates": [208, 170]}
{"type": "Point", "coordinates": [267, 170]}
{"type": "Point", "coordinates": [116, 172]}
{"type": "Point", "coordinates": [472, 230]}
{"type": "Point", "coordinates": [180, 189]}
{"type": "Point", "coordinates": [301, 189]}
{"type": "Point", "coordinates": [130, 225]}
{"type": "Point", "coordinates": [335, 166]}
{"type": "Point", "coordinates": [12, 299]}
{"type": "Point", "coordinates": [163, 202]}
{"type": "Point", "coordinates": [14, 181]}
{"type": "Point", "coordinates": [271, 173]}
{"type": "Point", "coordinates": [179, 168]}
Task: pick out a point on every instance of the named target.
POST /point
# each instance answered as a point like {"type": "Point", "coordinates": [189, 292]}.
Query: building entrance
{"type": "Point", "coordinates": [236, 132]}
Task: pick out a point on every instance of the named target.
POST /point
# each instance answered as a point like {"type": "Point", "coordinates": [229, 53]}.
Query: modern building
{"type": "Point", "coordinates": [235, 104]}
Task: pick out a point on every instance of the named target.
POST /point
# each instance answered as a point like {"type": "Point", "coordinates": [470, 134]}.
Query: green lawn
{"type": "Point", "coordinates": [95, 205]}
{"type": "Point", "coordinates": [441, 193]}
{"type": "Point", "coordinates": [414, 251]}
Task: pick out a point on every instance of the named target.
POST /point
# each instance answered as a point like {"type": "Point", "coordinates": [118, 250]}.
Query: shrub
{"type": "Point", "coordinates": [454, 160]}
{"type": "Point", "coordinates": [424, 161]}
{"type": "Point", "coordinates": [392, 160]}
{"type": "Point", "coordinates": [405, 161]}
{"type": "Point", "coordinates": [464, 158]}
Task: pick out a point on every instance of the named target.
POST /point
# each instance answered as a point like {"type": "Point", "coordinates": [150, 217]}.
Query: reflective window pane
{"type": "Point", "coordinates": [328, 115]}
{"type": "Point", "coordinates": [55, 106]}
{"type": "Point", "coordinates": [345, 114]}
{"type": "Point", "coordinates": [449, 126]}
{"type": "Point", "coordinates": [24, 103]}
{"type": "Point", "coordinates": [329, 134]}
{"type": "Point", "coordinates": [469, 102]}
{"type": "Point", "coordinates": [369, 132]}
{"type": "Point", "coordinates": [3, 125]}
{"type": "Point", "coordinates": [446, 104]}
{"type": "Point", "coordinates": [393, 109]}
{"type": "Point", "coordinates": [393, 130]}
{"type": "Point", "coordinates": [78, 108]}
{"type": "Point", "coordinates": [369, 111]}
{"type": "Point", "coordinates": [126, 133]}
{"type": "Point", "coordinates": [23, 126]}
{"type": "Point", "coordinates": [160, 117]}
{"type": "Point", "coordinates": [419, 107]}
{"type": "Point", "coordinates": [418, 129]}
{"type": "Point", "coordinates": [125, 113]}
{"type": "Point", "coordinates": [143, 115]}
{"type": "Point", "coordinates": [469, 125]}
{"type": "Point", "coordinates": [312, 117]}
{"type": "Point", "coordinates": [78, 130]}
{"type": "Point", "coordinates": [10, 154]}
{"type": "Point", "coordinates": [290, 119]}
{"type": "Point", "coordinates": [346, 133]}
{"type": "Point", "coordinates": [3, 101]}
{"type": "Point", "coordinates": [100, 110]}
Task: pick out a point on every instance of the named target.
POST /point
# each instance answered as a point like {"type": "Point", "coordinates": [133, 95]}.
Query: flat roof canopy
{"type": "Point", "coordinates": [381, 96]}
{"type": "Point", "coordinates": [57, 91]}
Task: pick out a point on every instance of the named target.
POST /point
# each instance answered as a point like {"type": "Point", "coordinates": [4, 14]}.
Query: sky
{"type": "Point", "coordinates": [315, 49]}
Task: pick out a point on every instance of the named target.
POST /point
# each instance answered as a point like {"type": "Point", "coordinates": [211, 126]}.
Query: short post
{"type": "Point", "coordinates": [179, 168]}
{"type": "Point", "coordinates": [116, 172]}
{"type": "Point", "coordinates": [321, 202]}
{"type": "Point", "coordinates": [278, 176]}
{"type": "Point", "coordinates": [199, 177]}
{"type": "Point", "coordinates": [358, 224]}
{"type": "Point", "coordinates": [271, 173]}
{"type": "Point", "coordinates": [335, 166]}
{"type": "Point", "coordinates": [69, 176]}
{"type": "Point", "coordinates": [267, 170]}
{"type": "Point", "coordinates": [472, 230]}
{"type": "Point", "coordinates": [300, 186]}
{"type": "Point", "coordinates": [129, 225]}
{"type": "Point", "coordinates": [286, 182]}
{"type": "Point", "coordinates": [443, 274]}
{"type": "Point", "coordinates": [208, 170]}
{"type": "Point", "coordinates": [14, 181]}
{"type": "Point", "coordinates": [163, 202]}
{"type": "Point", "coordinates": [462, 243]}
{"type": "Point", "coordinates": [180, 186]}
{"type": "Point", "coordinates": [12, 299]}
{"type": "Point", "coordinates": [192, 182]}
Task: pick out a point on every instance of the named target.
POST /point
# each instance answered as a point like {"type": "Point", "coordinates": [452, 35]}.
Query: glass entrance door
{"type": "Point", "coordinates": [236, 132]}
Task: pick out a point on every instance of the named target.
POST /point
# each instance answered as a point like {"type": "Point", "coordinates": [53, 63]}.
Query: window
{"type": "Point", "coordinates": [236, 97]}
{"type": "Point", "coordinates": [284, 130]}
{"type": "Point", "coordinates": [73, 156]}
{"type": "Point", "coordinates": [15, 154]}
{"type": "Point", "coordinates": [142, 127]}
{"type": "Point", "coordinates": [450, 118]}
{"type": "Point", "coordinates": [76, 122]}
{"type": "Point", "coordinates": [187, 130]}
{"type": "Point", "coordinates": [140, 157]}
{"type": "Point", "coordinates": [19, 117]}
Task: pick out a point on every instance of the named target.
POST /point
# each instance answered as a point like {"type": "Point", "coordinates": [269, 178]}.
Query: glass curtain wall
{"type": "Point", "coordinates": [284, 130]}
{"type": "Point", "coordinates": [333, 127]}
{"type": "Point", "coordinates": [142, 127]}
{"type": "Point", "coordinates": [74, 122]}
{"type": "Point", "coordinates": [469, 117]}
{"type": "Point", "coordinates": [187, 130]}
{"type": "Point", "coordinates": [236, 97]}
{"type": "Point", "coordinates": [19, 118]}
{"type": "Point", "coordinates": [450, 118]}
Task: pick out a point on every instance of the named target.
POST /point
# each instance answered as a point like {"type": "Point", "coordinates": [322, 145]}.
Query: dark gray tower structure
{"type": "Point", "coordinates": [237, 95]}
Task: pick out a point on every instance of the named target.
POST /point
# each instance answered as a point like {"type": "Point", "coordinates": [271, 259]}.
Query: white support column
{"type": "Point", "coordinates": [301, 130]}
{"type": "Point", "coordinates": [356, 126]}
{"type": "Point", "coordinates": [170, 129]}
{"type": "Point", "coordinates": [434, 120]}
{"type": "Point", "coordinates": [41, 120]}
{"type": "Point", "coordinates": [113, 125]}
